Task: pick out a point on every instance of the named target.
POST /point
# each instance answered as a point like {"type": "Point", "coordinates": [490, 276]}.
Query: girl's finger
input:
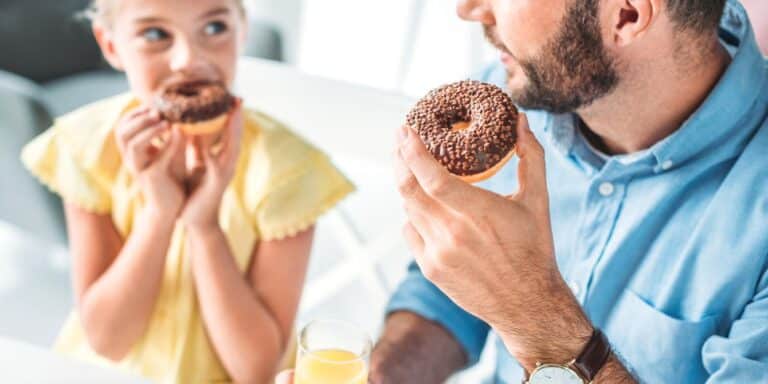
{"type": "Point", "coordinates": [149, 133]}
{"type": "Point", "coordinates": [138, 149]}
{"type": "Point", "coordinates": [230, 148]}
{"type": "Point", "coordinates": [129, 128]}
{"type": "Point", "coordinates": [172, 147]}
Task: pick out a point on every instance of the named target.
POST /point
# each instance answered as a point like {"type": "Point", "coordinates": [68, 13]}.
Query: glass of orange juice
{"type": "Point", "coordinates": [332, 352]}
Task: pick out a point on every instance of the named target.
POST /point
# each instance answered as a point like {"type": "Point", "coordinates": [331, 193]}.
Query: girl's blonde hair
{"type": "Point", "coordinates": [103, 11]}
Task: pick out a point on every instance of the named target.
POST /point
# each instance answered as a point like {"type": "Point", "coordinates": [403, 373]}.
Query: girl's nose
{"type": "Point", "coordinates": [476, 10]}
{"type": "Point", "coordinates": [184, 56]}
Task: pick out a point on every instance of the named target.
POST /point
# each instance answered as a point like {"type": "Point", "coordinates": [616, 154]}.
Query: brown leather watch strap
{"type": "Point", "coordinates": [593, 357]}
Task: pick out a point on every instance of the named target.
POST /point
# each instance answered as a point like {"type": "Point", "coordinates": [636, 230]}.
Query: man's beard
{"type": "Point", "coordinates": [573, 70]}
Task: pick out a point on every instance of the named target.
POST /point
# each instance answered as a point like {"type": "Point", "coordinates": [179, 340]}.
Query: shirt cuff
{"type": "Point", "coordinates": [418, 295]}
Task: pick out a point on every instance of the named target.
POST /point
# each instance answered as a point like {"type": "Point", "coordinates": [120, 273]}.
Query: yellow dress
{"type": "Point", "coordinates": [281, 186]}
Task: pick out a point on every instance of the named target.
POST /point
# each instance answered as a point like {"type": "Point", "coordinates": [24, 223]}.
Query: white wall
{"type": "Point", "coordinates": [446, 48]}
{"type": "Point", "coordinates": [286, 15]}
{"type": "Point", "coordinates": [407, 46]}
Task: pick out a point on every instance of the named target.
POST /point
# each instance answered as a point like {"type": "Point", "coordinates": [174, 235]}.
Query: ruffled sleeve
{"type": "Point", "coordinates": [77, 158]}
{"type": "Point", "coordinates": [288, 183]}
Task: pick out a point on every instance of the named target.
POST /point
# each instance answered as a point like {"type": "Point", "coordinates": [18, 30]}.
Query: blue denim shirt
{"type": "Point", "coordinates": [666, 249]}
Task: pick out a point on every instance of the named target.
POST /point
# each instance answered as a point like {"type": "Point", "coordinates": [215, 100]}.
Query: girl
{"type": "Point", "coordinates": [188, 262]}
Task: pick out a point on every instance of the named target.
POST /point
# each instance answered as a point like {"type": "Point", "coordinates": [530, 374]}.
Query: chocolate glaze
{"type": "Point", "coordinates": [491, 134]}
{"type": "Point", "coordinates": [193, 102]}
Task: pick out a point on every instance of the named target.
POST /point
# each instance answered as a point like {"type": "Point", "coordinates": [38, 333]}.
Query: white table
{"type": "Point", "coordinates": [35, 290]}
{"type": "Point", "coordinates": [22, 363]}
{"type": "Point", "coordinates": [34, 297]}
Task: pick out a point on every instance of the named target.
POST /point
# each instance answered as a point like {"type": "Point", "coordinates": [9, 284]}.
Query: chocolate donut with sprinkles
{"type": "Point", "coordinates": [197, 107]}
{"type": "Point", "coordinates": [468, 127]}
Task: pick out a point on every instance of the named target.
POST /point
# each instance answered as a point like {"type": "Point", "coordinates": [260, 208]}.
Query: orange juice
{"type": "Point", "coordinates": [331, 366]}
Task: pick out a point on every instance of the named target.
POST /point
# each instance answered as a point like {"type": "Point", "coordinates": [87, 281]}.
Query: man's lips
{"type": "Point", "coordinates": [492, 36]}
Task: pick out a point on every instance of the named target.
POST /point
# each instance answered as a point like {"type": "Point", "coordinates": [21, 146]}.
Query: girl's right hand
{"type": "Point", "coordinates": [148, 158]}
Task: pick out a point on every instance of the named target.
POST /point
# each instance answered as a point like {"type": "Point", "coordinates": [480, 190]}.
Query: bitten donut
{"type": "Point", "coordinates": [197, 108]}
{"type": "Point", "coordinates": [468, 126]}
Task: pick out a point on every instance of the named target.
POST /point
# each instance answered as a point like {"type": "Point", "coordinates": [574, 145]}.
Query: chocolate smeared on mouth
{"type": "Point", "coordinates": [191, 102]}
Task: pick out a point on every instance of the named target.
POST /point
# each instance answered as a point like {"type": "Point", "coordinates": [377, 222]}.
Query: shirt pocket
{"type": "Point", "coordinates": [657, 347]}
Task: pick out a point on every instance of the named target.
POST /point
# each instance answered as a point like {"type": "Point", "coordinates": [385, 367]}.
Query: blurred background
{"type": "Point", "coordinates": [340, 72]}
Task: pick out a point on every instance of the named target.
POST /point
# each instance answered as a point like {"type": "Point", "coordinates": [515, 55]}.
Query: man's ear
{"type": "Point", "coordinates": [104, 38]}
{"type": "Point", "coordinates": [631, 19]}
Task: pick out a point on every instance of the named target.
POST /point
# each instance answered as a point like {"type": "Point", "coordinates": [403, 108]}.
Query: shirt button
{"type": "Point", "coordinates": [606, 189]}
{"type": "Point", "coordinates": [667, 165]}
{"type": "Point", "coordinates": [574, 288]}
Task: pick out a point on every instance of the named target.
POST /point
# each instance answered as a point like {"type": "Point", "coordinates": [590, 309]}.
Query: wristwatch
{"type": "Point", "coordinates": [581, 370]}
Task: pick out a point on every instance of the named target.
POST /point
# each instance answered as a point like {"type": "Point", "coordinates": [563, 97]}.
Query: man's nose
{"type": "Point", "coordinates": [476, 10]}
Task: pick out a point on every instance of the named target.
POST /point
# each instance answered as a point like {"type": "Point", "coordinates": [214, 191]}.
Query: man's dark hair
{"type": "Point", "coordinates": [698, 16]}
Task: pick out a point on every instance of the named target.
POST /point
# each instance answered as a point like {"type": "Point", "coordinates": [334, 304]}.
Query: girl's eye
{"type": "Point", "coordinates": [215, 28]}
{"type": "Point", "coordinates": [154, 34]}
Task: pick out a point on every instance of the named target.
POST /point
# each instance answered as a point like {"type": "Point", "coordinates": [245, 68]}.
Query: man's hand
{"type": "Point", "coordinates": [493, 255]}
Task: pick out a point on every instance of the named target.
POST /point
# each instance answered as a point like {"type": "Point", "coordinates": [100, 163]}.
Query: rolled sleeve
{"type": "Point", "coordinates": [742, 357]}
{"type": "Point", "coordinates": [418, 295]}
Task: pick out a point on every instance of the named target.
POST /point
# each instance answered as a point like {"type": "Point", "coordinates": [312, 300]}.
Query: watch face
{"type": "Point", "coordinates": [554, 374]}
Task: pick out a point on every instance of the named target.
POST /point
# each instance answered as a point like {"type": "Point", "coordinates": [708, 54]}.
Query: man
{"type": "Point", "coordinates": [654, 125]}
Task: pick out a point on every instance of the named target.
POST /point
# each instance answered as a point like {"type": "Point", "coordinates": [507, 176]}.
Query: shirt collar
{"type": "Point", "coordinates": [717, 120]}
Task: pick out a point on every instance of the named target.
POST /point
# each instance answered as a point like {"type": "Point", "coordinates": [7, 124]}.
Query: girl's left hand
{"type": "Point", "coordinates": [202, 207]}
